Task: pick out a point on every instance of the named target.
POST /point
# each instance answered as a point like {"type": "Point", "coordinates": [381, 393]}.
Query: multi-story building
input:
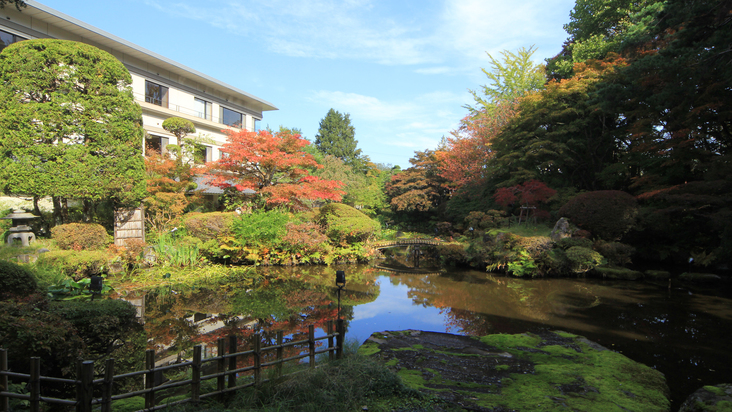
{"type": "Point", "coordinates": [162, 87]}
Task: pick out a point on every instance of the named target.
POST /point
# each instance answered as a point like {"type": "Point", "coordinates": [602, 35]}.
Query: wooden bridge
{"type": "Point", "coordinates": [384, 244]}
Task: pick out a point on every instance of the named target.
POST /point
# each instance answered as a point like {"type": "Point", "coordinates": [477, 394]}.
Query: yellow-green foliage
{"type": "Point", "coordinates": [77, 264]}
{"type": "Point", "coordinates": [344, 224]}
{"type": "Point", "coordinates": [207, 226]}
{"type": "Point", "coordinates": [80, 236]}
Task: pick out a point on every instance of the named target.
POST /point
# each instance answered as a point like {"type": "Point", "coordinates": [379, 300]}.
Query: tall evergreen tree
{"type": "Point", "coordinates": [336, 137]}
{"type": "Point", "coordinates": [69, 125]}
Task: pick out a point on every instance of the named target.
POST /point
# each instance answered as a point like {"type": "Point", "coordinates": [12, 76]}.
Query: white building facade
{"type": "Point", "coordinates": [162, 87]}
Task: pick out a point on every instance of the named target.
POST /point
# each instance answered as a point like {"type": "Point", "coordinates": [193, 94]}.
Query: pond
{"type": "Point", "coordinates": [680, 329]}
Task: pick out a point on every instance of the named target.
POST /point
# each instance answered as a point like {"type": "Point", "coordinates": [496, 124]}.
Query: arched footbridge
{"type": "Point", "coordinates": [385, 244]}
{"type": "Point", "coordinates": [415, 243]}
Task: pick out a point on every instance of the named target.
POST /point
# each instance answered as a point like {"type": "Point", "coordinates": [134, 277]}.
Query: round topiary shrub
{"type": "Point", "coordinates": [344, 224]}
{"type": "Point", "coordinates": [208, 226]}
{"type": "Point", "coordinates": [583, 259]}
{"type": "Point", "coordinates": [16, 280]}
{"type": "Point", "coordinates": [80, 236]}
{"type": "Point", "coordinates": [607, 214]}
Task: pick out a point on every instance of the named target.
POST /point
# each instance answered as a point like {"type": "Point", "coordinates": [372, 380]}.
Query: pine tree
{"type": "Point", "coordinates": [336, 137]}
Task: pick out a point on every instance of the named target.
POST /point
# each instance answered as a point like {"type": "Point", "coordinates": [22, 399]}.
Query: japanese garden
{"type": "Point", "coordinates": [567, 247]}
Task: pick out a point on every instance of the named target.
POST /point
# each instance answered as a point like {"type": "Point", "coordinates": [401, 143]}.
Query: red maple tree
{"type": "Point", "coordinates": [527, 193]}
{"type": "Point", "coordinates": [466, 154]}
{"type": "Point", "coordinates": [273, 165]}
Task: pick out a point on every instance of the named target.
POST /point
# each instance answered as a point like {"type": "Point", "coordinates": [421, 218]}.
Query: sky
{"type": "Point", "coordinates": [402, 70]}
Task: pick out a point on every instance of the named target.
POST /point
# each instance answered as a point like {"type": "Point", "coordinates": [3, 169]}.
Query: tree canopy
{"type": "Point", "coordinates": [274, 165]}
{"type": "Point", "coordinates": [69, 125]}
{"type": "Point", "coordinates": [336, 137]}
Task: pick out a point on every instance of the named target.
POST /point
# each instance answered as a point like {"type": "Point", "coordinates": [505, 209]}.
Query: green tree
{"type": "Point", "coordinates": [69, 126]}
{"type": "Point", "coordinates": [336, 137]}
{"type": "Point", "coordinates": [514, 75]}
{"type": "Point", "coordinates": [18, 3]}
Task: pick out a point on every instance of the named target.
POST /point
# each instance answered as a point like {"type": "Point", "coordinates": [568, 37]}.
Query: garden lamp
{"type": "Point", "coordinates": [341, 283]}
{"type": "Point", "coordinates": [96, 285]}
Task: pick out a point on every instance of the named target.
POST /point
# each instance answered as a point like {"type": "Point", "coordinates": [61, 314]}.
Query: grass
{"type": "Point", "coordinates": [353, 383]}
{"type": "Point", "coordinates": [525, 230]}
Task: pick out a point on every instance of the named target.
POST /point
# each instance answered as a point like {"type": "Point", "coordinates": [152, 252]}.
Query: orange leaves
{"type": "Point", "coordinates": [274, 165]}
{"type": "Point", "coordinates": [468, 152]}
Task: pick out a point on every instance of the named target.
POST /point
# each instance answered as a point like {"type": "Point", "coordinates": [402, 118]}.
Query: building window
{"type": "Point", "coordinates": [202, 108]}
{"type": "Point", "coordinates": [156, 94]}
{"type": "Point", "coordinates": [6, 39]}
{"type": "Point", "coordinates": [256, 125]}
{"type": "Point", "coordinates": [155, 144]}
{"type": "Point", "coordinates": [201, 154]}
{"type": "Point", "coordinates": [231, 118]}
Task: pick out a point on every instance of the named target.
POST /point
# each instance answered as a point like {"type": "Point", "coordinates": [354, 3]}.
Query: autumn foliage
{"type": "Point", "coordinates": [274, 165]}
{"type": "Point", "coordinates": [528, 193]}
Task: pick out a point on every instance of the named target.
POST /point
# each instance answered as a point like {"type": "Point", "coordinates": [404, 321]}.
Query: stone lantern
{"type": "Point", "coordinates": [20, 229]}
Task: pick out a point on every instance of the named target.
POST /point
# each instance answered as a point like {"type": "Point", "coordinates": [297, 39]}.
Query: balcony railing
{"type": "Point", "coordinates": [178, 108]}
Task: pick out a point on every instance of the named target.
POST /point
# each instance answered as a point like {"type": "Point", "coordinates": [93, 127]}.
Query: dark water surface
{"type": "Point", "coordinates": [680, 329]}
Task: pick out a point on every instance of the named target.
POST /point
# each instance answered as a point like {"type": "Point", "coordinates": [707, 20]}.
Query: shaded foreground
{"type": "Point", "coordinates": [524, 372]}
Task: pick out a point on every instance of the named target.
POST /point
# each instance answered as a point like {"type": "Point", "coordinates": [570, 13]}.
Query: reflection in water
{"type": "Point", "coordinates": [679, 331]}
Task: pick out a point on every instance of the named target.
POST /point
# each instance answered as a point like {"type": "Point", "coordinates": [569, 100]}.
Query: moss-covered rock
{"type": "Point", "coordinates": [699, 277]}
{"type": "Point", "coordinates": [716, 398]}
{"type": "Point", "coordinates": [553, 371]}
{"type": "Point", "coordinates": [657, 274]}
{"type": "Point", "coordinates": [615, 273]}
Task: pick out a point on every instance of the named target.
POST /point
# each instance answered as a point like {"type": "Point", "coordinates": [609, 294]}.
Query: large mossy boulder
{"type": "Point", "coordinates": [710, 398]}
{"type": "Point", "coordinates": [553, 371]}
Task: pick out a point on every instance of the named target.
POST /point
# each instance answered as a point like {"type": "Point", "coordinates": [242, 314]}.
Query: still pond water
{"type": "Point", "coordinates": [680, 329]}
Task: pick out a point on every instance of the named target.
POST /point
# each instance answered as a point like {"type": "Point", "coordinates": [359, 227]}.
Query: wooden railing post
{"type": "Point", "coordinates": [257, 344]}
{"type": "Point", "coordinates": [108, 385]}
{"type": "Point", "coordinates": [4, 400]}
{"type": "Point", "coordinates": [35, 384]}
{"type": "Point", "coordinates": [221, 367]}
{"type": "Point", "coordinates": [280, 353]}
{"type": "Point", "coordinates": [196, 375]}
{"type": "Point", "coordinates": [331, 353]}
{"type": "Point", "coordinates": [311, 345]}
{"type": "Point", "coordinates": [85, 391]}
{"type": "Point", "coordinates": [340, 338]}
{"type": "Point", "coordinates": [150, 378]}
{"type": "Point", "coordinates": [232, 360]}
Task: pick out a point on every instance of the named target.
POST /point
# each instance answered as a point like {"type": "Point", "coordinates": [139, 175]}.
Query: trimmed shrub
{"type": "Point", "coordinates": [305, 237]}
{"type": "Point", "coordinates": [607, 214]}
{"type": "Point", "coordinates": [452, 253]}
{"type": "Point", "coordinates": [76, 264]}
{"type": "Point", "coordinates": [99, 323]}
{"type": "Point", "coordinates": [80, 236]}
{"type": "Point", "coordinates": [208, 226]}
{"type": "Point", "coordinates": [583, 259]}
{"type": "Point", "coordinates": [28, 329]}
{"type": "Point", "coordinates": [569, 242]}
{"type": "Point", "coordinates": [16, 280]}
{"type": "Point", "coordinates": [344, 224]}
{"type": "Point", "coordinates": [617, 254]}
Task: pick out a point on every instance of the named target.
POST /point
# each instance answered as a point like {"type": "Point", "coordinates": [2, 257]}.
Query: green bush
{"type": "Point", "coordinates": [583, 259]}
{"type": "Point", "coordinates": [78, 265]}
{"type": "Point", "coordinates": [261, 228]}
{"type": "Point", "coordinates": [617, 254]}
{"type": "Point", "coordinates": [16, 280]}
{"type": "Point", "coordinates": [344, 224]}
{"type": "Point", "coordinates": [28, 329]}
{"type": "Point", "coordinates": [607, 214]}
{"type": "Point", "coordinates": [80, 236]}
{"type": "Point", "coordinates": [208, 226]}
{"type": "Point", "coordinates": [99, 323]}
{"type": "Point", "coordinates": [569, 242]}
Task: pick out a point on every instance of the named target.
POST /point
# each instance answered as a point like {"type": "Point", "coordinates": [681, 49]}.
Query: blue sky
{"type": "Point", "coordinates": [401, 69]}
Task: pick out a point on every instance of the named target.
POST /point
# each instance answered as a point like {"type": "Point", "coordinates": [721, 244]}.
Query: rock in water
{"type": "Point", "coordinates": [552, 371]}
{"type": "Point", "coordinates": [709, 398]}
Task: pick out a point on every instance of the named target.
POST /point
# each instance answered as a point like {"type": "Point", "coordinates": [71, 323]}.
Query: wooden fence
{"type": "Point", "coordinates": [225, 374]}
